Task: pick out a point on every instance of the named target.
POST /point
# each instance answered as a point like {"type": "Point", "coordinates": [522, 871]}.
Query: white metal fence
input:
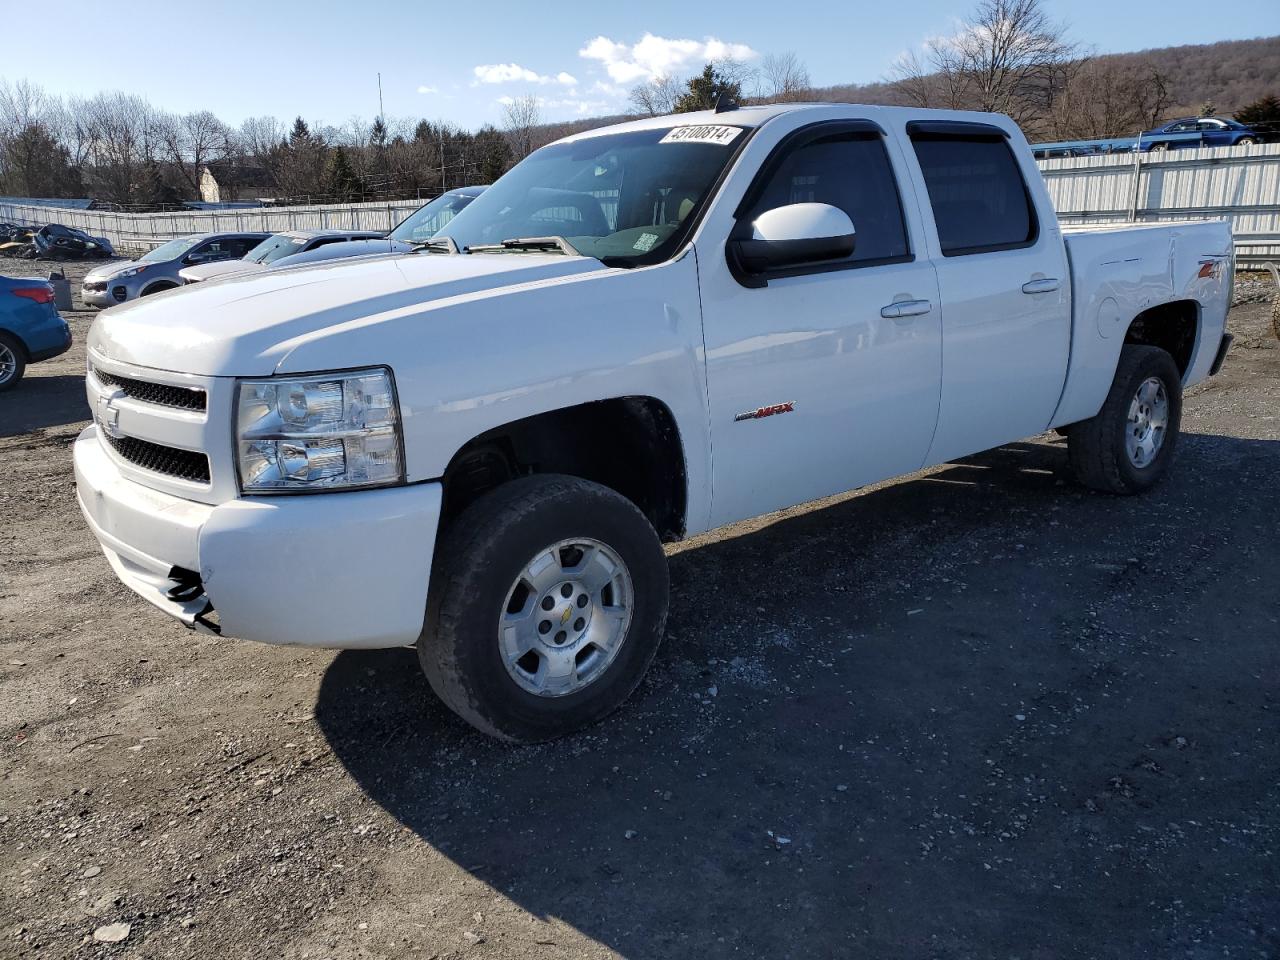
{"type": "Point", "coordinates": [143, 231]}
{"type": "Point", "coordinates": [1239, 183]}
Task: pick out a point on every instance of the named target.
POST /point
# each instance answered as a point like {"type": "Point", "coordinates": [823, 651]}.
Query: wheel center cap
{"type": "Point", "coordinates": [566, 618]}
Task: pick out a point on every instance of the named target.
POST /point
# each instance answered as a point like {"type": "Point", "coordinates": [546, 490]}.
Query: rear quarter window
{"type": "Point", "coordinates": [980, 201]}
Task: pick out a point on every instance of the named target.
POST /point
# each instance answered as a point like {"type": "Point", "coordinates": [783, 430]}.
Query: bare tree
{"type": "Point", "coordinates": [656, 97]}
{"type": "Point", "coordinates": [785, 78]}
{"type": "Point", "coordinates": [520, 118]}
{"type": "Point", "coordinates": [120, 140]}
{"type": "Point", "coordinates": [1008, 57]}
{"type": "Point", "coordinates": [1103, 99]}
{"type": "Point", "coordinates": [191, 142]}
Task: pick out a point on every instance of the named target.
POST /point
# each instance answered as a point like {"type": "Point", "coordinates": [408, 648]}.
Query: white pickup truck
{"type": "Point", "coordinates": [640, 333]}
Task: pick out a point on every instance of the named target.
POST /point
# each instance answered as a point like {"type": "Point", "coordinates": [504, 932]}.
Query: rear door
{"type": "Point", "coordinates": [826, 377]}
{"type": "Point", "coordinates": [1002, 272]}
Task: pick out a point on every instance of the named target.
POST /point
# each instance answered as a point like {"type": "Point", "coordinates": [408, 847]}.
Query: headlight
{"type": "Point", "coordinates": [331, 431]}
{"type": "Point", "coordinates": [132, 272]}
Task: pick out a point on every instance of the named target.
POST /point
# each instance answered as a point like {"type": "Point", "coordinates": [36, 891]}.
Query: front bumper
{"type": "Point", "coordinates": [344, 570]}
{"type": "Point", "coordinates": [103, 298]}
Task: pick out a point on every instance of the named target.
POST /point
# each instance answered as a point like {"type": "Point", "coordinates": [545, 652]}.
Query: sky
{"type": "Point", "coordinates": [458, 62]}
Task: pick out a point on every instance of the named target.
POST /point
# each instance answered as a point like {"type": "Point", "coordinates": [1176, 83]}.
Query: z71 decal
{"type": "Point", "coordinates": [759, 413]}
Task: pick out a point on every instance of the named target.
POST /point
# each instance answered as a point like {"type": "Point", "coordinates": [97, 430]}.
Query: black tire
{"type": "Point", "coordinates": [1096, 447]}
{"type": "Point", "coordinates": [12, 347]}
{"type": "Point", "coordinates": [1158, 147]}
{"type": "Point", "coordinates": [478, 560]}
{"type": "Point", "coordinates": [1246, 141]}
{"type": "Point", "coordinates": [158, 288]}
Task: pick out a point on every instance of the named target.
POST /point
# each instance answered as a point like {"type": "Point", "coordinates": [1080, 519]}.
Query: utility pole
{"type": "Point", "coordinates": [381, 114]}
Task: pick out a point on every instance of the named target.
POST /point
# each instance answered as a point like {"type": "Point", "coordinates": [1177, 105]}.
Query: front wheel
{"type": "Point", "coordinates": [1129, 445]}
{"type": "Point", "coordinates": [546, 607]}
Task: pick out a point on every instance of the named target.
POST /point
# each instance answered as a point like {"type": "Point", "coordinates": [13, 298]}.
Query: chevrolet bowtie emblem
{"type": "Point", "coordinates": [109, 416]}
{"type": "Point", "coordinates": [564, 617]}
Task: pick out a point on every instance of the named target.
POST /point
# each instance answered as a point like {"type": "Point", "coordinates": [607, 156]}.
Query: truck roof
{"type": "Point", "coordinates": [755, 116]}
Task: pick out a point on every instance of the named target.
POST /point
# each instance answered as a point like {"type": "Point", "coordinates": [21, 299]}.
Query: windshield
{"type": "Point", "coordinates": [620, 196]}
{"type": "Point", "coordinates": [426, 221]}
{"type": "Point", "coordinates": [171, 250]}
{"type": "Point", "coordinates": [274, 247]}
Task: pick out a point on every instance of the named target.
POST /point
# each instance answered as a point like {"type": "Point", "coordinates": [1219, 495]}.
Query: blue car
{"type": "Point", "coordinates": [1199, 132]}
{"type": "Point", "coordinates": [30, 328]}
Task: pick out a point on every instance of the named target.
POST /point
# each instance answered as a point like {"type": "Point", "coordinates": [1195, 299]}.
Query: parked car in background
{"type": "Point", "coordinates": [1199, 132]}
{"type": "Point", "coordinates": [56, 242]}
{"type": "Point", "coordinates": [273, 247]}
{"type": "Point", "coordinates": [414, 229]}
{"type": "Point", "coordinates": [30, 328]}
{"type": "Point", "coordinates": [156, 271]}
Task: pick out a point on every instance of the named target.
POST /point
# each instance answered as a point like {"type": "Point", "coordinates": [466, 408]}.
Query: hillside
{"type": "Point", "coordinates": [1229, 74]}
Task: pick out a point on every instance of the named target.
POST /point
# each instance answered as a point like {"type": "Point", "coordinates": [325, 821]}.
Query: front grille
{"type": "Point", "coordinates": [185, 398]}
{"type": "Point", "coordinates": [170, 461]}
{"type": "Point", "coordinates": [95, 286]}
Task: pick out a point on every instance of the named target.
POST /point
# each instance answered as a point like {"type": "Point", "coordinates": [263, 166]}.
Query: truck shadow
{"type": "Point", "coordinates": [42, 401]}
{"type": "Point", "coordinates": [912, 722]}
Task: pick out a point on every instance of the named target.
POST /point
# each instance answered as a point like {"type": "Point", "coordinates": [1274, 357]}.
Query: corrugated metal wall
{"type": "Point", "coordinates": [142, 231]}
{"type": "Point", "coordinates": [1239, 183]}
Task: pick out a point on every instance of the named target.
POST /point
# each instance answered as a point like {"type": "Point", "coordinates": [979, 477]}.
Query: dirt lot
{"type": "Point", "coordinates": [976, 713]}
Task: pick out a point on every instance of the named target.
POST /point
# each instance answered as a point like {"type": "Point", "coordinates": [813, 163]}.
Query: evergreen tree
{"type": "Point", "coordinates": [492, 154]}
{"type": "Point", "coordinates": [339, 181]}
{"type": "Point", "coordinates": [300, 135]}
{"type": "Point", "coordinates": [706, 89]}
{"type": "Point", "coordinates": [1264, 111]}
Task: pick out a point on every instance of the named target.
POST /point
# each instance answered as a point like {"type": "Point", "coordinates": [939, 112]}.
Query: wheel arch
{"type": "Point", "coordinates": [159, 286]}
{"type": "Point", "coordinates": [1173, 327]}
{"type": "Point", "coordinates": [20, 340]}
{"type": "Point", "coordinates": [631, 444]}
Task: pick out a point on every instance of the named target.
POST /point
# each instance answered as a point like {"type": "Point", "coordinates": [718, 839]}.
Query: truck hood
{"type": "Point", "coordinates": [246, 325]}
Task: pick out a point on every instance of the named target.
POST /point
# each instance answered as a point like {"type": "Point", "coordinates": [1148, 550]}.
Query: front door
{"type": "Point", "coordinates": [826, 378]}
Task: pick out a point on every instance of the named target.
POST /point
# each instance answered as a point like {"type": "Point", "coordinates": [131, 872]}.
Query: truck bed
{"type": "Point", "coordinates": [1117, 273]}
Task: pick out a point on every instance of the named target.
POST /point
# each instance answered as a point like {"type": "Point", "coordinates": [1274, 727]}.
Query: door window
{"type": "Point", "coordinates": [980, 201]}
{"type": "Point", "coordinates": [849, 170]}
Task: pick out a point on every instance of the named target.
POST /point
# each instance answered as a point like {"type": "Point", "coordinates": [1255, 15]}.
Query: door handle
{"type": "Point", "coordinates": [1047, 285]}
{"type": "Point", "coordinates": [906, 308]}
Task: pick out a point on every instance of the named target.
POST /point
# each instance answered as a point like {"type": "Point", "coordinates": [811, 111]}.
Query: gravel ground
{"type": "Point", "coordinates": [975, 713]}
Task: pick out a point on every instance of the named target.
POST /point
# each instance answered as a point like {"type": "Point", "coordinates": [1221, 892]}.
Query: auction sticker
{"type": "Point", "coordinates": [702, 133]}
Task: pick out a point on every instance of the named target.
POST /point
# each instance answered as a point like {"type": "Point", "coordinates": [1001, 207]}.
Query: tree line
{"type": "Point", "coordinates": [118, 148]}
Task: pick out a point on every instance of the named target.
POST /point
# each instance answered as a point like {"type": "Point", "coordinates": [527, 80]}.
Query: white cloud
{"type": "Point", "coordinates": [513, 72]}
{"type": "Point", "coordinates": [654, 56]}
{"type": "Point", "coordinates": [428, 89]}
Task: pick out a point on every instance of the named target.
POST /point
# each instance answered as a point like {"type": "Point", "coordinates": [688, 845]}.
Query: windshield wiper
{"type": "Point", "coordinates": [518, 244]}
{"type": "Point", "coordinates": [437, 245]}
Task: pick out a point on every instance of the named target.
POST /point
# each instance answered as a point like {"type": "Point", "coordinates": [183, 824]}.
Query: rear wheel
{"type": "Point", "coordinates": [13, 362]}
{"type": "Point", "coordinates": [1129, 445]}
{"type": "Point", "coordinates": [1246, 141]}
{"type": "Point", "coordinates": [546, 607]}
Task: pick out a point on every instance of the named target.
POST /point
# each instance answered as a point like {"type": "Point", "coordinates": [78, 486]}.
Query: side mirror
{"type": "Point", "coordinates": [795, 234]}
